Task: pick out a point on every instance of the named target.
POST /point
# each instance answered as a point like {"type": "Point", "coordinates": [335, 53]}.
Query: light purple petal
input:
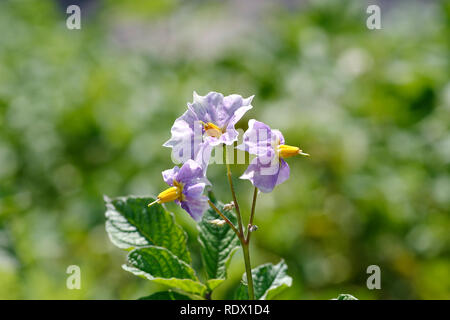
{"type": "Point", "coordinates": [278, 137]}
{"type": "Point", "coordinates": [265, 176]}
{"type": "Point", "coordinates": [258, 138]}
{"type": "Point", "coordinates": [186, 136]}
{"type": "Point", "coordinates": [195, 206]}
{"type": "Point", "coordinates": [187, 131]}
{"type": "Point", "coordinates": [204, 107]}
{"type": "Point", "coordinates": [212, 141]}
{"type": "Point", "coordinates": [261, 174]}
{"type": "Point", "coordinates": [190, 171]}
{"type": "Point", "coordinates": [230, 136]}
{"type": "Point", "coordinates": [204, 155]}
{"type": "Point", "coordinates": [194, 190]}
{"type": "Point", "coordinates": [192, 177]}
{"type": "Point", "coordinates": [284, 172]}
{"type": "Point", "coordinates": [169, 175]}
{"type": "Point", "coordinates": [234, 108]}
{"type": "Point", "coordinates": [220, 110]}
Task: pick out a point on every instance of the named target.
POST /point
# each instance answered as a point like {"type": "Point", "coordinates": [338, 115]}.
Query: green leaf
{"type": "Point", "coordinates": [217, 245]}
{"type": "Point", "coordinates": [268, 281]}
{"type": "Point", "coordinates": [345, 296]}
{"type": "Point", "coordinates": [166, 295]}
{"type": "Point", "coordinates": [241, 292]}
{"type": "Point", "coordinates": [161, 266]}
{"type": "Point", "coordinates": [131, 224]}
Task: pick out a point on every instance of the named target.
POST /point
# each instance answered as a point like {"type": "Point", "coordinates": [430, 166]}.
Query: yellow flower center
{"type": "Point", "coordinates": [170, 194]}
{"type": "Point", "coordinates": [212, 130]}
{"type": "Point", "coordinates": [285, 151]}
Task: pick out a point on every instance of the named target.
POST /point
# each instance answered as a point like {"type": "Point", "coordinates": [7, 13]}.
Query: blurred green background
{"type": "Point", "coordinates": [84, 113]}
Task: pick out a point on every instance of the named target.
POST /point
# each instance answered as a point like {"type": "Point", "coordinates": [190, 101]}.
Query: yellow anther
{"type": "Point", "coordinates": [170, 194]}
{"type": "Point", "coordinates": [212, 130]}
{"type": "Point", "coordinates": [286, 151]}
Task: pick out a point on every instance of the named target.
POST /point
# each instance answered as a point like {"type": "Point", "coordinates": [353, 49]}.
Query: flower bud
{"type": "Point", "coordinates": [229, 206]}
{"type": "Point", "coordinates": [217, 222]}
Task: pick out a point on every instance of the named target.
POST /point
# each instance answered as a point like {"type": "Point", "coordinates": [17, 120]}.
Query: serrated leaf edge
{"type": "Point", "coordinates": [108, 203]}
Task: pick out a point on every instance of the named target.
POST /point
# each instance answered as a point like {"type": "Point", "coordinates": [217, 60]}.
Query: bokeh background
{"type": "Point", "coordinates": [84, 113]}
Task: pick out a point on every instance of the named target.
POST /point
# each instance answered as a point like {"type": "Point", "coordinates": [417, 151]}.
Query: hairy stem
{"type": "Point", "coordinates": [244, 243]}
{"type": "Point", "coordinates": [236, 204]}
{"type": "Point", "coordinates": [248, 269]}
{"type": "Point", "coordinates": [252, 215]}
{"type": "Point", "coordinates": [225, 218]}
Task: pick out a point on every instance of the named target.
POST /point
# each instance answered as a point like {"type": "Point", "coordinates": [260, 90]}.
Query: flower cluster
{"type": "Point", "coordinates": [209, 121]}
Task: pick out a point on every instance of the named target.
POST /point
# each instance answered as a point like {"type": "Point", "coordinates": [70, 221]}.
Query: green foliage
{"type": "Point", "coordinates": [159, 252]}
{"type": "Point", "coordinates": [166, 295]}
{"type": "Point", "coordinates": [130, 224]}
{"type": "Point", "coordinates": [161, 266]}
{"type": "Point", "coordinates": [345, 296]}
{"type": "Point", "coordinates": [268, 281]}
{"type": "Point", "coordinates": [218, 244]}
{"type": "Point", "coordinates": [84, 113]}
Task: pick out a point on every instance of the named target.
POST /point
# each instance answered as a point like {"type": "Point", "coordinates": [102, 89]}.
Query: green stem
{"type": "Point", "coordinates": [248, 270]}
{"type": "Point", "coordinates": [252, 215]}
{"type": "Point", "coordinates": [224, 218]}
{"type": "Point", "coordinates": [236, 204]}
{"type": "Point", "coordinates": [241, 236]}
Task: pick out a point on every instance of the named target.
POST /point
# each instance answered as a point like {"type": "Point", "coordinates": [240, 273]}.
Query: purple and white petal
{"type": "Point", "coordinates": [195, 206]}
{"type": "Point", "coordinates": [188, 132]}
{"type": "Point", "coordinates": [204, 107]}
{"type": "Point", "coordinates": [233, 109]}
{"type": "Point", "coordinates": [263, 175]}
{"type": "Point", "coordinates": [277, 137]}
{"type": "Point", "coordinates": [203, 156]}
{"type": "Point", "coordinates": [257, 139]}
{"type": "Point", "coordinates": [190, 171]}
{"type": "Point", "coordinates": [194, 190]}
{"type": "Point", "coordinates": [266, 170]}
{"type": "Point", "coordinates": [170, 174]}
{"type": "Point", "coordinates": [266, 182]}
{"type": "Point", "coordinates": [220, 110]}
{"type": "Point", "coordinates": [186, 136]}
{"type": "Point", "coordinates": [284, 172]}
{"type": "Point", "coordinates": [230, 135]}
{"type": "Point", "coordinates": [193, 182]}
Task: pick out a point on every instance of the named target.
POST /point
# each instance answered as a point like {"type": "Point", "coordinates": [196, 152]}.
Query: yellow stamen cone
{"type": "Point", "coordinates": [170, 194]}
{"type": "Point", "coordinates": [286, 151]}
{"type": "Point", "coordinates": [212, 130]}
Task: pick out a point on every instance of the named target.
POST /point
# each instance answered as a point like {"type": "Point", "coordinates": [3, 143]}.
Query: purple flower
{"type": "Point", "coordinates": [268, 168]}
{"type": "Point", "coordinates": [208, 122]}
{"type": "Point", "coordinates": [186, 188]}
